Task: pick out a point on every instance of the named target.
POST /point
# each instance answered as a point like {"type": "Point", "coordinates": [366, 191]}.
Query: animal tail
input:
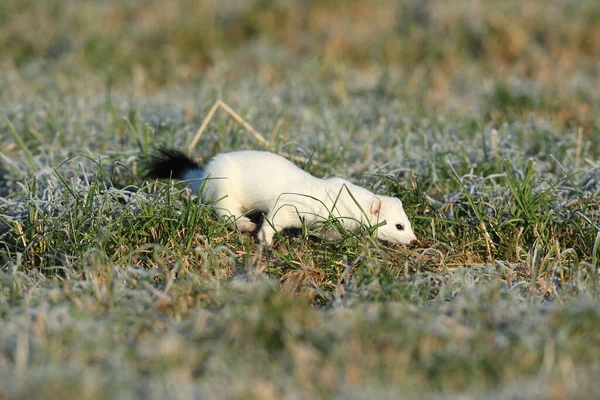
{"type": "Point", "coordinates": [168, 163]}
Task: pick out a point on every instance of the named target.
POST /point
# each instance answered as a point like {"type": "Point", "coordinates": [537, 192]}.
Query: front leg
{"type": "Point", "coordinates": [277, 220]}
{"type": "Point", "coordinates": [266, 233]}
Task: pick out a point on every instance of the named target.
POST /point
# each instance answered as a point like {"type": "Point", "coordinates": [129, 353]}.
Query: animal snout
{"type": "Point", "coordinates": [414, 241]}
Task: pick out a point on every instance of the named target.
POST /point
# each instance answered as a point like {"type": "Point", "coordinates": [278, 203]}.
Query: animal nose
{"type": "Point", "coordinates": [414, 241]}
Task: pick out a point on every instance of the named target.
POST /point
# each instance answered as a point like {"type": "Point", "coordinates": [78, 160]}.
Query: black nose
{"type": "Point", "coordinates": [414, 241]}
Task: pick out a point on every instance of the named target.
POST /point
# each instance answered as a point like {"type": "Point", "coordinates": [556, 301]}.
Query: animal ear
{"type": "Point", "coordinates": [375, 207]}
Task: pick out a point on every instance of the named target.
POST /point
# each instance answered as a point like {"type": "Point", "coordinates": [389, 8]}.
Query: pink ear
{"type": "Point", "coordinates": [375, 207]}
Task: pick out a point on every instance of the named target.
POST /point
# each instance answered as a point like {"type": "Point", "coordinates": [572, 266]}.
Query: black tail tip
{"type": "Point", "coordinates": [165, 163]}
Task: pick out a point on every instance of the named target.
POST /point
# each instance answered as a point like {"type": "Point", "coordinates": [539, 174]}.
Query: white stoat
{"type": "Point", "coordinates": [243, 182]}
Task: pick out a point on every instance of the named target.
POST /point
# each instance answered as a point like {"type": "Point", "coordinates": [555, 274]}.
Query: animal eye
{"type": "Point", "coordinates": [400, 227]}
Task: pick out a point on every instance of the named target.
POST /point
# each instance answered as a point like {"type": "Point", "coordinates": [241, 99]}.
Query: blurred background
{"type": "Point", "coordinates": [500, 59]}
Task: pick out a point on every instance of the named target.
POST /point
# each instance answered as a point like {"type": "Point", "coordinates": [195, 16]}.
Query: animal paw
{"type": "Point", "coordinates": [265, 235]}
{"type": "Point", "coordinates": [246, 225]}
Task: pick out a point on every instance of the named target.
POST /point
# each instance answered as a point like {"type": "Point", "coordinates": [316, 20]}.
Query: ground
{"type": "Point", "coordinates": [481, 116]}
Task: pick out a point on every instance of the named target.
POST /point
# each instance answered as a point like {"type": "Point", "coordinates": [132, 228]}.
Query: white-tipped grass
{"type": "Point", "coordinates": [116, 287]}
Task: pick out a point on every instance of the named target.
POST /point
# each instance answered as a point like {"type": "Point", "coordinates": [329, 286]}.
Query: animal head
{"type": "Point", "coordinates": [397, 228]}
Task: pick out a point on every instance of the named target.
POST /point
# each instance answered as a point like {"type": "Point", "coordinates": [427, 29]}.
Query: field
{"type": "Point", "coordinates": [483, 117]}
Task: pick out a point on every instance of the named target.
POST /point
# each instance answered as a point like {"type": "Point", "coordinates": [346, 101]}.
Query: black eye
{"type": "Point", "coordinates": [400, 227]}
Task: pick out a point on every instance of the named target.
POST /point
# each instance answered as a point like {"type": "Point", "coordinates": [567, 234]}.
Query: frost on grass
{"type": "Point", "coordinates": [139, 291]}
{"type": "Point", "coordinates": [115, 287]}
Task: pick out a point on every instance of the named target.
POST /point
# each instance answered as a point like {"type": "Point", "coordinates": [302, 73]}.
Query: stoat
{"type": "Point", "coordinates": [244, 182]}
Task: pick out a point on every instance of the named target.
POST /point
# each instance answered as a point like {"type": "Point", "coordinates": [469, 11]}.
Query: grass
{"type": "Point", "coordinates": [480, 119]}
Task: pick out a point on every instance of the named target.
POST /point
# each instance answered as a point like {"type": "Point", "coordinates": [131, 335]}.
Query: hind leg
{"type": "Point", "coordinates": [230, 210]}
{"type": "Point", "coordinates": [244, 224]}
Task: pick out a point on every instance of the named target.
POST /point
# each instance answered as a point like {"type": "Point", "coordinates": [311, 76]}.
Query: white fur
{"type": "Point", "coordinates": [246, 181]}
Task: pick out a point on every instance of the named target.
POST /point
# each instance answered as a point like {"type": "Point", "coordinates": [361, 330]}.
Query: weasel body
{"type": "Point", "coordinates": [243, 182]}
